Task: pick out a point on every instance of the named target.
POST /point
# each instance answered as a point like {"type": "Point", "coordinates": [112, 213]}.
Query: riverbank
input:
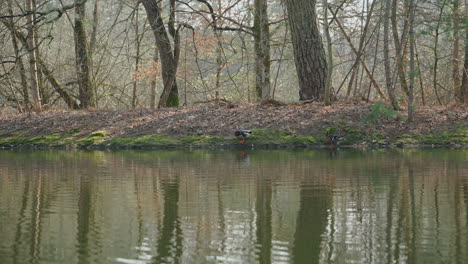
{"type": "Point", "coordinates": [212, 126]}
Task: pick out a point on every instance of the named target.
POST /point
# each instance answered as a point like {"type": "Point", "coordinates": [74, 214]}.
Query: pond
{"type": "Point", "coordinates": [269, 206]}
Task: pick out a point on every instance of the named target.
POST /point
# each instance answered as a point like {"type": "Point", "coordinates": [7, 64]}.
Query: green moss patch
{"type": "Point", "coordinates": [456, 137]}
{"type": "Point", "coordinates": [278, 137]}
{"type": "Point", "coordinates": [44, 141]}
{"type": "Point", "coordinates": [94, 139]}
{"type": "Point", "coordinates": [347, 135]}
{"type": "Point", "coordinates": [163, 140]}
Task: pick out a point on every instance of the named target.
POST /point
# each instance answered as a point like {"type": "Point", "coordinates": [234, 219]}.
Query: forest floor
{"type": "Point", "coordinates": [296, 124]}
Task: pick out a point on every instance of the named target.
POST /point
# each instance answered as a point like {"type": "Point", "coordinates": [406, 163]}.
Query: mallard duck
{"type": "Point", "coordinates": [332, 140]}
{"type": "Point", "coordinates": [242, 135]}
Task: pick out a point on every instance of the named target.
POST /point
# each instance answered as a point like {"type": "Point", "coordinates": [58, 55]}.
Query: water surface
{"type": "Point", "coordinates": [314, 206]}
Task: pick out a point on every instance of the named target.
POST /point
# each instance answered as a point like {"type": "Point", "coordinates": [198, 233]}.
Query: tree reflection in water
{"type": "Point", "coordinates": [314, 206]}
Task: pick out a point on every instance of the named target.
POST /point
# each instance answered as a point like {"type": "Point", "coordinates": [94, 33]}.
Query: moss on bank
{"type": "Point", "coordinates": [259, 138]}
{"type": "Point", "coordinates": [456, 137]}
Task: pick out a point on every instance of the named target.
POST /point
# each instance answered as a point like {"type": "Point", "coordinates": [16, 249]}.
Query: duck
{"type": "Point", "coordinates": [242, 135]}
{"type": "Point", "coordinates": [333, 140]}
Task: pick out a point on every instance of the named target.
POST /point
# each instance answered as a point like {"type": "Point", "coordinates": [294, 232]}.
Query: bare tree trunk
{"type": "Point", "coordinates": [32, 50]}
{"type": "Point", "coordinates": [93, 38]}
{"type": "Point", "coordinates": [326, 29]}
{"type": "Point", "coordinates": [69, 100]}
{"type": "Point", "coordinates": [83, 62]}
{"type": "Point", "coordinates": [44, 94]}
{"type": "Point", "coordinates": [412, 68]}
{"type": "Point", "coordinates": [153, 81]}
{"type": "Point", "coordinates": [456, 52]}
{"type": "Point", "coordinates": [436, 54]}
{"type": "Point", "coordinates": [219, 51]}
{"type": "Point", "coordinates": [19, 60]}
{"type": "Point", "coordinates": [137, 58]}
{"type": "Point", "coordinates": [464, 86]}
{"type": "Point", "coordinates": [262, 50]}
{"type": "Point", "coordinates": [363, 63]}
{"type": "Point", "coordinates": [309, 55]}
{"type": "Point", "coordinates": [400, 47]}
{"type": "Point", "coordinates": [420, 75]}
{"type": "Point", "coordinates": [168, 56]}
{"type": "Point", "coordinates": [388, 70]}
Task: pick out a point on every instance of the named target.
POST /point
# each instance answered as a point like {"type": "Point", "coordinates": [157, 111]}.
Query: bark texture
{"type": "Point", "coordinates": [262, 50]}
{"type": "Point", "coordinates": [167, 56]}
{"type": "Point", "coordinates": [456, 53]}
{"type": "Point", "coordinates": [464, 86]}
{"type": "Point", "coordinates": [83, 61]}
{"type": "Point", "coordinates": [388, 71]}
{"type": "Point", "coordinates": [309, 54]}
{"type": "Point", "coordinates": [32, 52]}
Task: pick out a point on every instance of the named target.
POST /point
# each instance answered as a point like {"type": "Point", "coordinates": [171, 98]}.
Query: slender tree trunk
{"type": "Point", "coordinates": [83, 62]}
{"type": "Point", "coordinates": [423, 98]}
{"type": "Point", "coordinates": [93, 38]}
{"type": "Point", "coordinates": [363, 63]}
{"type": "Point", "coordinates": [456, 52]}
{"type": "Point", "coordinates": [400, 47]}
{"type": "Point", "coordinates": [464, 86]}
{"type": "Point", "coordinates": [153, 81]}
{"type": "Point", "coordinates": [436, 54]}
{"type": "Point", "coordinates": [32, 51]}
{"type": "Point", "coordinates": [167, 55]}
{"type": "Point", "coordinates": [137, 58]}
{"type": "Point", "coordinates": [59, 88]}
{"type": "Point", "coordinates": [362, 44]}
{"type": "Point", "coordinates": [219, 51]}
{"type": "Point", "coordinates": [388, 70]}
{"type": "Point", "coordinates": [22, 70]}
{"type": "Point", "coordinates": [262, 50]}
{"type": "Point", "coordinates": [326, 29]}
{"type": "Point", "coordinates": [412, 68]}
{"type": "Point", "coordinates": [309, 54]}
{"type": "Point", "coordinates": [44, 94]}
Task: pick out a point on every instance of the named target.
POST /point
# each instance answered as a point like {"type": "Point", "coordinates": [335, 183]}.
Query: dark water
{"type": "Point", "coordinates": [319, 206]}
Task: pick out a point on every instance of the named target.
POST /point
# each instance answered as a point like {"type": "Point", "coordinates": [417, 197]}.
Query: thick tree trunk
{"type": "Point", "coordinates": [169, 96]}
{"type": "Point", "coordinates": [309, 54]}
{"type": "Point", "coordinates": [83, 62]}
{"type": "Point", "coordinates": [35, 93]}
{"type": "Point", "coordinates": [388, 71]}
{"type": "Point", "coordinates": [262, 50]}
